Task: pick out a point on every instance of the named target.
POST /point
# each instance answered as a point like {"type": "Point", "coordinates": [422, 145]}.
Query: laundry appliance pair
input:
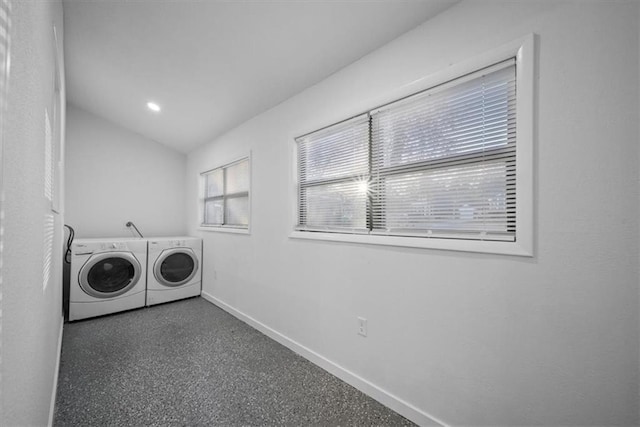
{"type": "Point", "coordinates": [118, 274]}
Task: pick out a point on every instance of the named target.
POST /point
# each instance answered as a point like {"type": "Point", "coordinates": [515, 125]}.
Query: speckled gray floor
{"type": "Point", "coordinates": [189, 363]}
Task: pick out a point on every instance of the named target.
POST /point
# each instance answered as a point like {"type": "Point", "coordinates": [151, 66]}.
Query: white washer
{"type": "Point", "coordinates": [174, 269]}
{"type": "Point", "coordinates": [107, 276]}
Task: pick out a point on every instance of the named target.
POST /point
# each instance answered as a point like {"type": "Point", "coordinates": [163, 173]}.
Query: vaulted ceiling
{"type": "Point", "coordinates": [211, 65]}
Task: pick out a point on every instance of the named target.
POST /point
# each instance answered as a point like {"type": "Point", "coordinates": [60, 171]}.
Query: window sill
{"type": "Point", "coordinates": [224, 229]}
{"type": "Point", "coordinates": [489, 247]}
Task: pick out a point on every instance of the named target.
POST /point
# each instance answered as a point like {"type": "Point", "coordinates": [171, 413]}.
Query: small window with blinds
{"type": "Point", "coordinates": [439, 164]}
{"type": "Point", "coordinates": [334, 171]}
{"type": "Point", "coordinates": [225, 199]}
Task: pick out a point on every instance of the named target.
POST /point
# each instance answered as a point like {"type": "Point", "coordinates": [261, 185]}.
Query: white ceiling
{"type": "Point", "coordinates": [212, 65]}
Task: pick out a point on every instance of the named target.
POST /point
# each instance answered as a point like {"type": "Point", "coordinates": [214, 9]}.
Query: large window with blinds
{"type": "Point", "coordinates": [225, 199]}
{"type": "Point", "coordinates": [441, 164]}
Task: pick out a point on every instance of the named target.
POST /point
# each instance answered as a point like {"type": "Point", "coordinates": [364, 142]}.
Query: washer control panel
{"type": "Point", "coordinates": [171, 243]}
{"type": "Point", "coordinates": [115, 245]}
{"type": "Point", "coordinates": [89, 248]}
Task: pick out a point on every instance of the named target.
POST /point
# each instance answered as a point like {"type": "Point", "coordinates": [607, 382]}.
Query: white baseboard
{"type": "Point", "coordinates": [400, 406]}
{"type": "Point", "coordinates": [54, 391]}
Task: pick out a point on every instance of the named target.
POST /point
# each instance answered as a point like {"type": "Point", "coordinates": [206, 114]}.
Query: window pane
{"type": "Point", "coordinates": [340, 205]}
{"type": "Point", "coordinates": [237, 211]}
{"type": "Point", "coordinates": [214, 183]}
{"type": "Point", "coordinates": [469, 118]}
{"type": "Point", "coordinates": [474, 198]}
{"type": "Point", "coordinates": [238, 177]}
{"type": "Point", "coordinates": [213, 212]}
{"type": "Point", "coordinates": [336, 152]}
{"type": "Point", "coordinates": [444, 160]}
{"type": "Point", "coordinates": [226, 198]}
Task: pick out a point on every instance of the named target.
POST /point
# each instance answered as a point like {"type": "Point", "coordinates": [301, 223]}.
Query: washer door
{"type": "Point", "coordinates": [109, 274]}
{"type": "Point", "coordinates": [175, 267]}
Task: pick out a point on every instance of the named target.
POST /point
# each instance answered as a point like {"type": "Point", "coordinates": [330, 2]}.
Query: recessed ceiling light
{"type": "Point", "coordinates": [153, 107]}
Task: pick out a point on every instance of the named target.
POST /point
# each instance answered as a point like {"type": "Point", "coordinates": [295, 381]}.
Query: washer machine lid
{"type": "Point", "coordinates": [109, 274]}
{"type": "Point", "coordinates": [175, 267]}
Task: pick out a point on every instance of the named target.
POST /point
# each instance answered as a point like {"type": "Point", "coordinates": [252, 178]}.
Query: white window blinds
{"type": "Point", "coordinates": [444, 160]}
{"type": "Point", "coordinates": [440, 163]}
{"type": "Point", "coordinates": [333, 174]}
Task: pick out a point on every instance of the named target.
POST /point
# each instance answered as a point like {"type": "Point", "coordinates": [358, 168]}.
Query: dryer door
{"type": "Point", "coordinates": [175, 267]}
{"type": "Point", "coordinates": [109, 274]}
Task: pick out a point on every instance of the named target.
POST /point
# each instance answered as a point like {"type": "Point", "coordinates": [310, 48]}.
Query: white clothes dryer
{"type": "Point", "coordinates": [107, 276]}
{"type": "Point", "coordinates": [174, 269]}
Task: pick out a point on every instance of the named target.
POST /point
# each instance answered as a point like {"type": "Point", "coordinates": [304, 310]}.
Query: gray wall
{"type": "Point", "coordinates": [468, 339]}
{"type": "Point", "coordinates": [31, 311]}
{"type": "Point", "coordinates": [115, 176]}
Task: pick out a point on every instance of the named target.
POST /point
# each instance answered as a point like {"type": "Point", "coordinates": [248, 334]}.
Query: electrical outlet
{"type": "Point", "coordinates": [362, 326]}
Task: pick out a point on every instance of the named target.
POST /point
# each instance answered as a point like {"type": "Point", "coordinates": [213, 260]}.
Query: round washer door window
{"type": "Point", "coordinates": [175, 267]}
{"type": "Point", "coordinates": [110, 274]}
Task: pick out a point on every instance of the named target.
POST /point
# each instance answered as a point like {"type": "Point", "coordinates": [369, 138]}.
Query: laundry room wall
{"type": "Point", "coordinates": [462, 338]}
{"type": "Point", "coordinates": [115, 176]}
{"type": "Point", "coordinates": [31, 300]}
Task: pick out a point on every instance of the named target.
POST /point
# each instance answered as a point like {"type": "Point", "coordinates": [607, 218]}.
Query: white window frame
{"type": "Point", "coordinates": [523, 50]}
{"type": "Point", "coordinates": [201, 199]}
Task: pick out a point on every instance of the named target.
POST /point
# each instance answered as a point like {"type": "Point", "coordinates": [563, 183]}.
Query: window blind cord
{"type": "Point", "coordinates": [67, 254]}
{"type": "Point", "coordinates": [131, 224]}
